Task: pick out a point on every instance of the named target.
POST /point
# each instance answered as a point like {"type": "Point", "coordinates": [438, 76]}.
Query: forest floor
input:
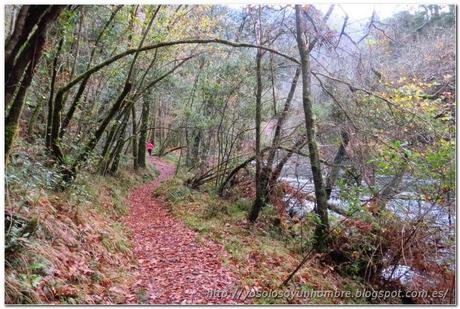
{"type": "Point", "coordinates": [173, 267]}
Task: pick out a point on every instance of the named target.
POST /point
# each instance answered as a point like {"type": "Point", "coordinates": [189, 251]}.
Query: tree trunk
{"type": "Point", "coordinates": [105, 160]}
{"type": "Point", "coordinates": [12, 120]}
{"type": "Point", "coordinates": [111, 139]}
{"type": "Point", "coordinates": [114, 158]}
{"type": "Point", "coordinates": [134, 149]}
{"type": "Point", "coordinates": [322, 228]}
{"type": "Point", "coordinates": [275, 173]}
{"type": "Point", "coordinates": [143, 132]}
{"type": "Point", "coordinates": [195, 153]}
{"type": "Point", "coordinates": [270, 174]}
{"type": "Point", "coordinates": [281, 119]}
{"type": "Point", "coordinates": [97, 135]}
{"type": "Point", "coordinates": [338, 159]}
{"type": "Point", "coordinates": [30, 54]}
{"type": "Point", "coordinates": [73, 107]}
{"type": "Point", "coordinates": [21, 47]}
{"type": "Point", "coordinates": [33, 120]}
{"type": "Point", "coordinates": [233, 173]}
{"type": "Point", "coordinates": [49, 122]}
{"type": "Point", "coordinates": [260, 184]}
{"type": "Point", "coordinates": [117, 151]}
{"type": "Point", "coordinates": [81, 88]}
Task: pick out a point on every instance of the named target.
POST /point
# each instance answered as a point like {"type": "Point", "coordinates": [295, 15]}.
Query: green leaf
{"type": "Point", "coordinates": [35, 280]}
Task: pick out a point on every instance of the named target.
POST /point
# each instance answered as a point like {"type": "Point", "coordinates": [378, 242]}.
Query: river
{"type": "Point", "coordinates": [408, 205]}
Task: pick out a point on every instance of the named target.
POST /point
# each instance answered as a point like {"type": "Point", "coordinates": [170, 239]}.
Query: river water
{"type": "Point", "coordinates": [407, 205]}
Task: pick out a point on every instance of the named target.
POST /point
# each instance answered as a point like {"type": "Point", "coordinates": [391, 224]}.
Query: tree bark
{"type": "Point", "coordinates": [143, 133]}
{"type": "Point", "coordinates": [338, 159]}
{"type": "Point", "coordinates": [259, 179]}
{"type": "Point", "coordinates": [28, 17]}
{"type": "Point", "coordinates": [81, 88]}
{"type": "Point", "coordinates": [22, 27]}
{"type": "Point", "coordinates": [134, 128]}
{"type": "Point", "coordinates": [275, 173]}
{"type": "Point", "coordinates": [12, 120]}
{"type": "Point", "coordinates": [111, 139]}
{"type": "Point", "coordinates": [322, 229]}
{"type": "Point", "coordinates": [30, 54]}
{"type": "Point", "coordinates": [33, 119]}
{"type": "Point", "coordinates": [270, 174]}
{"type": "Point", "coordinates": [114, 158]}
{"type": "Point", "coordinates": [49, 122]}
{"type": "Point", "coordinates": [19, 50]}
{"type": "Point", "coordinates": [282, 118]}
{"type": "Point", "coordinates": [97, 135]}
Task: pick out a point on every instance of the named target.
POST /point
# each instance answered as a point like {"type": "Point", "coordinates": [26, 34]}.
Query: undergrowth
{"type": "Point", "coordinates": [69, 247]}
{"type": "Point", "coordinates": [261, 255]}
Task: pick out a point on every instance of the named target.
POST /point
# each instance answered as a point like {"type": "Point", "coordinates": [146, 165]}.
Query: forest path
{"type": "Point", "coordinates": [173, 268]}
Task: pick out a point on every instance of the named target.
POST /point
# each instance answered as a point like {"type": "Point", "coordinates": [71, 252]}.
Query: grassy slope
{"type": "Point", "coordinates": [68, 247]}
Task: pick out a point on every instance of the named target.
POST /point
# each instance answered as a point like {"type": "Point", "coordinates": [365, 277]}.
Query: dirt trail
{"type": "Point", "coordinates": [173, 267]}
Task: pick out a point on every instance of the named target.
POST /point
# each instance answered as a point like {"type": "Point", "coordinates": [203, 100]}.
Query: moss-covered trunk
{"type": "Point", "coordinates": [322, 228]}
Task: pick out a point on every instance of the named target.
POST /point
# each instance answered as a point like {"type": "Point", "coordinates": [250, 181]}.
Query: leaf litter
{"type": "Point", "coordinates": [173, 268]}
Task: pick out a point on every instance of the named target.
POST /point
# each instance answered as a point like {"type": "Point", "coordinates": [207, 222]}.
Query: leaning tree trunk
{"type": "Point", "coordinates": [11, 121]}
{"type": "Point", "coordinates": [113, 136]}
{"type": "Point", "coordinates": [88, 148]}
{"type": "Point", "coordinates": [271, 173]}
{"type": "Point", "coordinates": [322, 229]}
{"type": "Point", "coordinates": [59, 101]}
{"type": "Point", "coordinates": [338, 159]}
{"type": "Point", "coordinates": [18, 45]}
{"type": "Point", "coordinates": [76, 101]}
{"type": "Point", "coordinates": [116, 153]}
{"type": "Point", "coordinates": [27, 59]}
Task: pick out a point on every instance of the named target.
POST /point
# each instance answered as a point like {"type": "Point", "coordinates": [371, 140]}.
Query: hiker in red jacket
{"type": "Point", "coordinates": [150, 147]}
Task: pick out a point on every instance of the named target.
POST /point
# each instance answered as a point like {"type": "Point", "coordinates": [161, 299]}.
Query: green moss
{"type": "Point", "coordinates": [10, 133]}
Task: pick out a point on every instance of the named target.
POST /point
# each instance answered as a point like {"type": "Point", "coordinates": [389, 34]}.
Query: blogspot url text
{"type": "Point", "coordinates": [242, 294]}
